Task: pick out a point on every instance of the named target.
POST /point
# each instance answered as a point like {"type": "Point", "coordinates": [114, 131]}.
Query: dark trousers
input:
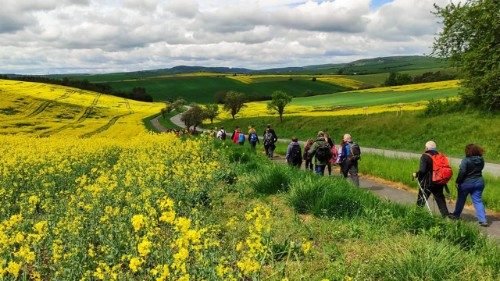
{"type": "Point", "coordinates": [349, 168]}
{"type": "Point", "coordinates": [309, 165]}
{"type": "Point", "coordinates": [437, 191]}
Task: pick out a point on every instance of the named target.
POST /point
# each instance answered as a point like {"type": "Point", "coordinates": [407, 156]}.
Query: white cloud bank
{"type": "Point", "coordinates": [63, 36]}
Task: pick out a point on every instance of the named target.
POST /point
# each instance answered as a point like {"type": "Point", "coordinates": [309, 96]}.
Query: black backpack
{"type": "Point", "coordinates": [355, 151]}
{"type": "Point", "coordinates": [295, 155]}
{"type": "Point", "coordinates": [268, 138]}
{"type": "Point", "coordinates": [323, 152]}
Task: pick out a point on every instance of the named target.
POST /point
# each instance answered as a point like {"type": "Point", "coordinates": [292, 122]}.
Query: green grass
{"type": "Point", "coordinates": [203, 89]}
{"type": "Point", "coordinates": [408, 132]}
{"type": "Point", "coordinates": [359, 99]}
{"type": "Point", "coordinates": [354, 234]}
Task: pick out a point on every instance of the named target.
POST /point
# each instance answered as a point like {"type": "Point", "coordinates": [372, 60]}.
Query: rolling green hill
{"type": "Point", "coordinates": [203, 89]}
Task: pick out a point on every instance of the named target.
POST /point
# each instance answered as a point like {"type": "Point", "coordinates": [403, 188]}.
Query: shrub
{"type": "Point", "coordinates": [273, 180]}
{"type": "Point", "coordinates": [330, 196]}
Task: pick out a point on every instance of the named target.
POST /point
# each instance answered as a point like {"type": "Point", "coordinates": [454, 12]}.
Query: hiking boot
{"type": "Point", "coordinates": [452, 217]}
{"type": "Point", "coordinates": [483, 224]}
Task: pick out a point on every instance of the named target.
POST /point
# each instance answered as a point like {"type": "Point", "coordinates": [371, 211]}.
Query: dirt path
{"type": "Point", "coordinates": [399, 193]}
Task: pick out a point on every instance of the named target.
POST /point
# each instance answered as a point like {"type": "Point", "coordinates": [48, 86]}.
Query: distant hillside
{"type": "Point", "coordinates": [390, 64]}
{"type": "Point", "coordinates": [359, 67]}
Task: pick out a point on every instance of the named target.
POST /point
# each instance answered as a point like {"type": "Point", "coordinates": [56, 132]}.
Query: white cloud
{"type": "Point", "coordinates": [123, 35]}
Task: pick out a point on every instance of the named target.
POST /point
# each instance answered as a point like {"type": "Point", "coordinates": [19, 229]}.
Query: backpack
{"type": "Point", "coordinates": [295, 157]}
{"type": "Point", "coordinates": [441, 170]}
{"type": "Point", "coordinates": [268, 138]}
{"type": "Point", "coordinates": [241, 137]}
{"type": "Point", "coordinates": [252, 137]}
{"type": "Point", "coordinates": [355, 151]}
{"type": "Point", "coordinates": [223, 135]}
{"type": "Point", "coordinates": [323, 152]}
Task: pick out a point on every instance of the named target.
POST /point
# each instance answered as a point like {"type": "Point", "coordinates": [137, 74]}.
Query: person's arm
{"type": "Point", "coordinates": [288, 151]}
{"type": "Point", "coordinates": [462, 172]}
{"type": "Point", "coordinates": [423, 168]}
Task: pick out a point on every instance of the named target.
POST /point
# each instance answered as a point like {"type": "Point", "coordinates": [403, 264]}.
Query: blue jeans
{"type": "Point", "coordinates": [320, 169]}
{"type": "Point", "coordinates": [475, 189]}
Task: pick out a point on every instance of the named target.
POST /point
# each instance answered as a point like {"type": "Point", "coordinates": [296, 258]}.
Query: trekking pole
{"type": "Point", "coordinates": [423, 195]}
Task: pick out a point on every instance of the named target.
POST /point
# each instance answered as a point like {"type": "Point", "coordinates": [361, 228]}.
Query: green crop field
{"type": "Point", "coordinates": [202, 89]}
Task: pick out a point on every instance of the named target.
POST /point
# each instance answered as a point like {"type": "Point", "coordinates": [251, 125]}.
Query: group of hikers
{"type": "Point", "coordinates": [433, 174]}
{"type": "Point", "coordinates": [318, 154]}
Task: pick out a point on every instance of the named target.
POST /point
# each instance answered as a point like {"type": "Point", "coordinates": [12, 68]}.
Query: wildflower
{"type": "Point", "coordinates": [137, 222]}
{"type": "Point", "coordinates": [13, 268]}
{"type": "Point", "coordinates": [135, 264]}
{"type": "Point", "coordinates": [144, 248]}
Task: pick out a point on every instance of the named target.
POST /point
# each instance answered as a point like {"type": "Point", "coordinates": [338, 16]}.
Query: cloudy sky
{"type": "Point", "coordinates": [75, 36]}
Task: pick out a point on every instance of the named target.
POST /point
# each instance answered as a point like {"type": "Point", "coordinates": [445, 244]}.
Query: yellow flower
{"type": "Point", "coordinates": [168, 216]}
{"type": "Point", "coordinates": [13, 268]}
{"type": "Point", "coordinates": [40, 227]}
{"type": "Point", "coordinates": [135, 264]}
{"type": "Point", "coordinates": [137, 222]}
{"type": "Point", "coordinates": [144, 248]}
{"type": "Point", "coordinates": [306, 247]}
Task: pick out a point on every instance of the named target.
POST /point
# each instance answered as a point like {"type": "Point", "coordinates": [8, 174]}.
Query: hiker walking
{"type": "Point", "coordinates": [294, 153]}
{"type": "Point", "coordinates": [427, 176]}
{"type": "Point", "coordinates": [350, 154]}
{"type": "Point", "coordinates": [270, 139]}
{"type": "Point", "coordinates": [221, 134]}
{"type": "Point", "coordinates": [321, 152]}
{"type": "Point", "coordinates": [306, 156]}
{"type": "Point", "coordinates": [470, 181]}
{"type": "Point", "coordinates": [236, 135]}
{"type": "Point", "coordinates": [253, 138]}
{"type": "Point", "coordinates": [333, 160]}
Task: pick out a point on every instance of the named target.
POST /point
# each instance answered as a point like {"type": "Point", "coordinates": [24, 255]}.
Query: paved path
{"type": "Point", "coordinates": [402, 194]}
{"type": "Point", "coordinates": [156, 123]}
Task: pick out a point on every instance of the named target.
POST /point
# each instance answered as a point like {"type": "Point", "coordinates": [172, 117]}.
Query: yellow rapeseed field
{"type": "Point", "coordinates": [39, 109]}
{"type": "Point", "coordinates": [118, 209]}
{"type": "Point", "coordinates": [340, 80]}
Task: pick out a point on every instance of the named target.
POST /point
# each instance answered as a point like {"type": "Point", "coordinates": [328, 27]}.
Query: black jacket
{"type": "Point", "coordinates": [470, 169]}
{"type": "Point", "coordinates": [424, 173]}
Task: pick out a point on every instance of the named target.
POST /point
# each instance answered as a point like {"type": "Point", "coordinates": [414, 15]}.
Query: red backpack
{"type": "Point", "coordinates": [441, 170]}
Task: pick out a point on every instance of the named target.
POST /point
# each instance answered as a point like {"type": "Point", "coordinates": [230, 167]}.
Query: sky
{"type": "Point", "coordinates": [99, 36]}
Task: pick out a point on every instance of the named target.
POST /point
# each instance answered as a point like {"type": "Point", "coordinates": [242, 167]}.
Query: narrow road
{"type": "Point", "coordinates": [396, 193]}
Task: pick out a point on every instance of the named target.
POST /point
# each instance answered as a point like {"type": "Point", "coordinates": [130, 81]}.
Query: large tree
{"type": "Point", "coordinates": [279, 100]}
{"type": "Point", "coordinates": [471, 39]}
{"type": "Point", "coordinates": [193, 116]}
{"type": "Point", "coordinates": [211, 111]}
{"type": "Point", "coordinates": [233, 102]}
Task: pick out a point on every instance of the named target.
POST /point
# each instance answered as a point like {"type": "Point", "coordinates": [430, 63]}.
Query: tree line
{"type": "Point", "coordinates": [397, 79]}
{"type": "Point", "coordinates": [137, 93]}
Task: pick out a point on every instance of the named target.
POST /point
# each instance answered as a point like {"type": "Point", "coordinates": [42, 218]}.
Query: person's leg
{"type": "Point", "coordinates": [344, 169]}
{"type": "Point", "coordinates": [477, 201]}
{"type": "Point", "coordinates": [329, 165]}
{"type": "Point", "coordinates": [320, 169]}
{"type": "Point", "coordinates": [353, 173]}
{"type": "Point", "coordinates": [462, 193]}
{"type": "Point", "coordinates": [437, 191]}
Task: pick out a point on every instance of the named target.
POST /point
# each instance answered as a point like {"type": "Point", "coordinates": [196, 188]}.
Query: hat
{"type": "Point", "coordinates": [430, 145]}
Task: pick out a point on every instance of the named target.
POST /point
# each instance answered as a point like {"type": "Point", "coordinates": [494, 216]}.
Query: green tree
{"type": "Point", "coordinates": [278, 103]}
{"type": "Point", "coordinates": [471, 39]}
{"type": "Point", "coordinates": [234, 102]}
{"type": "Point", "coordinates": [193, 116]}
{"type": "Point", "coordinates": [211, 111]}
{"type": "Point", "coordinates": [178, 105]}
